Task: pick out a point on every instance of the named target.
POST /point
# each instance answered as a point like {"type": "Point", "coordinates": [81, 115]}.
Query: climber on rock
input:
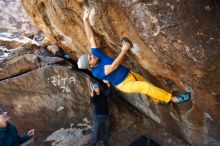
{"type": "Point", "coordinates": [8, 132]}
{"type": "Point", "coordinates": [100, 112]}
{"type": "Point", "coordinates": [107, 68]}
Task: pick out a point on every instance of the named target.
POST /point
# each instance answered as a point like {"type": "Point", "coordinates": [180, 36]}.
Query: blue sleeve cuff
{"type": "Point", "coordinates": [24, 138]}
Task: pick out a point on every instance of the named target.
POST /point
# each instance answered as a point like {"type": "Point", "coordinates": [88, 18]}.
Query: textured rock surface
{"type": "Point", "coordinates": [53, 99]}
{"type": "Point", "coordinates": [12, 41]}
{"type": "Point", "coordinates": [13, 18]}
{"type": "Point", "coordinates": [176, 41]}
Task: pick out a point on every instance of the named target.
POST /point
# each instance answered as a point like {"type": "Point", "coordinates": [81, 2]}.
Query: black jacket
{"type": "Point", "coordinates": [10, 137]}
{"type": "Point", "coordinates": [100, 102]}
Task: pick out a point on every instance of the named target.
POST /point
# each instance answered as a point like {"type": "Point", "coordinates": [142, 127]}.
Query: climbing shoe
{"type": "Point", "coordinates": [184, 97]}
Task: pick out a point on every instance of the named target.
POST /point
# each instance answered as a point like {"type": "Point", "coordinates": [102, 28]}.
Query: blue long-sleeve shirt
{"type": "Point", "coordinates": [116, 77]}
{"type": "Point", "coordinates": [10, 137]}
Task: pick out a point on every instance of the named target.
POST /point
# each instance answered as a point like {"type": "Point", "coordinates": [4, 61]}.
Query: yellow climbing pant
{"type": "Point", "coordinates": [135, 83]}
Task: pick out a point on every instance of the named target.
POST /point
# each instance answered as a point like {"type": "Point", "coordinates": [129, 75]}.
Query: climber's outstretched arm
{"type": "Point", "coordinates": [110, 68]}
{"type": "Point", "coordinates": [88, 29]}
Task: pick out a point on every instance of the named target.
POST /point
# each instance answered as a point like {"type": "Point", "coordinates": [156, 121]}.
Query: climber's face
{"type": "Point", "coordinates": [4, 118]}
{"type": "Point", "coordinates": [93, 60]}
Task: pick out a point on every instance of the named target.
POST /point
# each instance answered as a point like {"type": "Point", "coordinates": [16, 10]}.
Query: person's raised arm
{"type": "Point", "coordinates": [109, 91]}
{"type": "Point", "coordinates": [91, 98]}
{"type": "Point", "coordinates": [110, 68]}
{"type": "Point", "coordinates": [88, 29]}
{"type": "Point", "coordinates": [26, 137]}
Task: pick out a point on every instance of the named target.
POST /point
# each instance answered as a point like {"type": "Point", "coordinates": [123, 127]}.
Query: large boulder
{"type": "Point", "coordinates": [176, 43]}
{"type": "Point", "coordinates": [41, 93]}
